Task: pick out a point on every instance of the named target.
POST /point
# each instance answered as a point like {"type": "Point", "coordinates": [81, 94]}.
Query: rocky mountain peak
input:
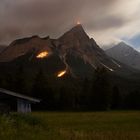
{"type": "Point", "coordinates": [76, 33]}
{"type": "Point", "coordinates": [74, 48]}
{"type": "Point", "coordinates": [125, 54]}
{"type": "Point", "coordinates": [123, 45]}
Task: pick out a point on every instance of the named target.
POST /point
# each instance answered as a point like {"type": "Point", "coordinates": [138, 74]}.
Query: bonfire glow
{"type": "Point", "coordinates": [62, 73]}
{"type": "Point", "coordinates": [42, 54]}
{"type": "Point", "coordinates": [78, 23]}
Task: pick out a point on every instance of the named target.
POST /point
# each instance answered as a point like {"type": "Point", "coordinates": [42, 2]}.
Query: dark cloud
{"type": "Point", "coordinates": [106, 23]}
{"type": "Point", "coordinates": [20, 18]}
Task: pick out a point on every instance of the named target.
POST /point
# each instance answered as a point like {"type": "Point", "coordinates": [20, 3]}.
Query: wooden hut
{"type": "Point", "coordinates": [14, 101]}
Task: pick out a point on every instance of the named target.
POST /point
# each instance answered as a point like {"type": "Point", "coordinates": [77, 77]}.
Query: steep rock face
{"type": "Point", "coordinates": [77, 40]}
{"type": "Point", "coordinates": [125, 54]}
{"type": "Point", "coordinates": [23, 46]}
{"type": "Point", "coordinates": [79, 54]}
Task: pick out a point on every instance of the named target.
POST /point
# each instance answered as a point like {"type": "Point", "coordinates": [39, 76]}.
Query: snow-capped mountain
{"type": "Point", "coordinates": [125, 54]}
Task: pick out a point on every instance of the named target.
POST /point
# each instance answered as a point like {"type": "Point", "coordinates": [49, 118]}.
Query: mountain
{"type": "Point", "coordinates": [23, 46]}
{"type": "Point", "coordinates": [2, 47]}
{"type": "Point", "coordinates": [125, 54]}
{"type": "Point", "coordinates": [78, 41]}
{"type": "Point", "coordinates": [71, 72]}
{"type": "Point", "coordinates": [80, 54]}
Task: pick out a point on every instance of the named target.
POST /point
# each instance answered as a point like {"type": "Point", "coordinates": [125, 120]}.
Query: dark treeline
{"type": "Point", "coordinates": [67, 93]}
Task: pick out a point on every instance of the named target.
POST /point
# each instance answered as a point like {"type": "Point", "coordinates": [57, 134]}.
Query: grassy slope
{"type": "Point", "coordinates": [123, 125]}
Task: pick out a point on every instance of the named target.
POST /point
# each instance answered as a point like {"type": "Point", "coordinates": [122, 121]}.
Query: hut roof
{"type": "Point", "coordinates": [21, 96]}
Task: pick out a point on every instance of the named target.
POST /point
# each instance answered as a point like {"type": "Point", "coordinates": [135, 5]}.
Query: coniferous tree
{"type": "Point", "coordinates": [132, 100]}
{"type": "Point", "coordinates": [42, 91]}
{"type": "Point", "coordinates": [85, 94]}
{"type": "Point", "coordinates": [116, 98]}
{"type": "Point", "coordinates": [101, 94]}
{"type": "Point", "coordinates": [19, 80]}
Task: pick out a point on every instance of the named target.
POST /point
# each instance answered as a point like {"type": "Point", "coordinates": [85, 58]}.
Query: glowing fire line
{"type": "Point", "coordinates": [42, 54]}
{"type": "Point", "coordinates": [62, 73]}
{"type": "Point", "coordinates": [78, 23]}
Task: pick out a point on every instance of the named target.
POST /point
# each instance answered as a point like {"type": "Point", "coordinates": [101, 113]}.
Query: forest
{"type": "Point", "coordinates": [101, 92]}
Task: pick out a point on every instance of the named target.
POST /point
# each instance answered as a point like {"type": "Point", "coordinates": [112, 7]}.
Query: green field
{"type": "Point", "coordinates": [117, 125]}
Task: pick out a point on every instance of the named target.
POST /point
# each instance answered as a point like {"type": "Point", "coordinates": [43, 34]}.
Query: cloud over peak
{"type": "Point", "coordinates": [105, 20]}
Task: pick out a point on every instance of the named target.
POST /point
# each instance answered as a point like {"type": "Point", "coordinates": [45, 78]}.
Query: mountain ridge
{"type": "Point", "coordinates": [125, 54]}
{"type": "Point", "coordinates": [2, 47]}
{"type": "Point", "coordinates": [73, 48]}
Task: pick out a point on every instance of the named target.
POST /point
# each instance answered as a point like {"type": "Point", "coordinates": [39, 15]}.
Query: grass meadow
{"type": "Point", "coordinates": [114, 125]}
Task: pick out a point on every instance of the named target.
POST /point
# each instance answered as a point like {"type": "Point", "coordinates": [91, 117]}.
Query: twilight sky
{"type": "Point", "coordinates": [107, 21]}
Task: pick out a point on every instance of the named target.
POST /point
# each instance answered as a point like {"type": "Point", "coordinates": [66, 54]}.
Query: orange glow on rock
{"type": "Point", "coordinates": [78, 23]}
{"type": "Point", "coordinates": [62, 73]}
{"type": "Point", "coordinates": [42, 54]}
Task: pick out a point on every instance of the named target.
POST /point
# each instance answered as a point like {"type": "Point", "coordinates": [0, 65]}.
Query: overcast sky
{"type": "Point", "coordinates": [107, 21]}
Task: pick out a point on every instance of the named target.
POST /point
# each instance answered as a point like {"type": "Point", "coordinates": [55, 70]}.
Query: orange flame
{"type": "Point", "coordinates": [42, 54]}
{"type": "Point", "coordinates": [62, 73]}
{"type": "Point", "coordinates": [78, 23]}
